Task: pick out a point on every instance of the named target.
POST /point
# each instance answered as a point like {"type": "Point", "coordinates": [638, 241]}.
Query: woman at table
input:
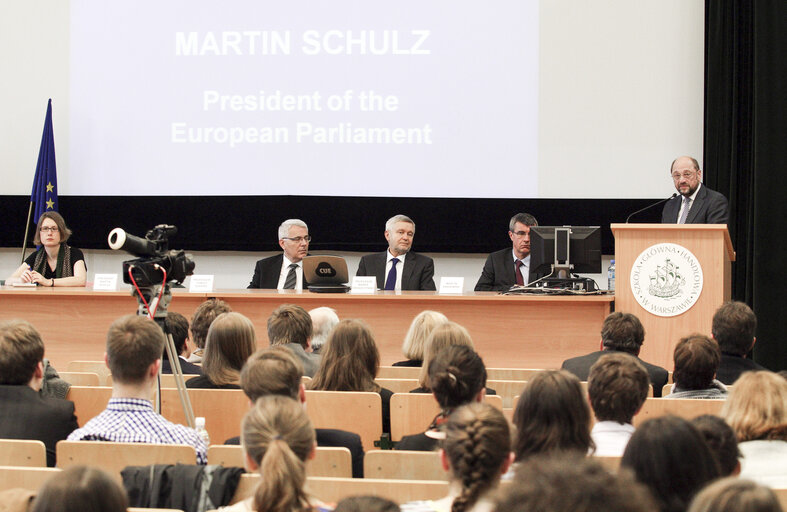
{"type": "Point", "coordinates": [230, 341]}
{"type": "Point", "coordinates": [55, 263]}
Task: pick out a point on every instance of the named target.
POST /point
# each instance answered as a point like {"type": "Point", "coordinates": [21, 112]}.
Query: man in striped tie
{"type": "Point", "coordinates": [285, 271]}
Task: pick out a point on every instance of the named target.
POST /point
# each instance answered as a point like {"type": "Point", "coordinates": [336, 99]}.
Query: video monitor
{"type": "Point", "coordinates": [563, 250]}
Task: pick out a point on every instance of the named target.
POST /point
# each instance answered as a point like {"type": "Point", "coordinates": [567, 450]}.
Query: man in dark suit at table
{"type": "Point", "coordinates": [696, 204]}
{"type": "Point", "coordinates": [507, 267]}
{"type": "Point", "coordinates": [25, 414]}
{"type": "Point", "coordinates": [285, 271]}
{"type": "Point", "coordinates": [620, 332]}
{"type": "Point", "coordinates": [398, 268]}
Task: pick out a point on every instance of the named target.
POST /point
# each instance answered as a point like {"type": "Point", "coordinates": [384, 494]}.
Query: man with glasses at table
{"type": "Point", "coordinates": [696, 203]}
{"type": "Point", "coordinates": [285, 271]}
{"type": "Point", "coordinates": [508, 267]}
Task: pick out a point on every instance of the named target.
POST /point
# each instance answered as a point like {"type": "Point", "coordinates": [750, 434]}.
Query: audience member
{"type": "Point", "coordinates": [278, 439]}
{"type": "Point", "coordinates": [324, 319]}
{"type": "Point", "coordinates": [81, 489]}
{"type": "Point", "coordinates": [696, 361]}
{"type": "Point", "coordinates": [757, 412]}
{"type": "Point", "coordinates": [444, 335]}
{"type": "Point", "coordinates": [291, 326]}
{"type": "Point", "coordinates": [733, 328]}
{"type": "Point", "coordinates": [200, 323]}
{"type": "Point", "coordinates": [350, 362]}
{"type": "Point", "coordinates": [735, 495]}
{"type": "Point", "coordinates": [572, 483]}
{"type": "Point", "coordinates": [366, 504]}
{"type": "Point", "coordinates": [670, 457]}
{"type": "Point", "coordinates": [231, 340]}
{"type": "Point", "coordinates": [415, 339]}
{"type": "Point", "coordinates": [618, 385]}
{"type": "Point", "coordinates": [457, 377]}
{"type": "Point", "coordinates": [276, 371]}
{"type": "Point", "coordinates": [134, 346]}
{"type": "Point", "coordinates": [552, 415]}
{"type": "Point", "coordinates": [721, 441]}
{"type": "Point", "coordinates": [178, 327]}
{"type": "Point", "coordinates": [476, 453]}
{"type": "Point", "coordinates": [621, 332]}
{"type": "Point", "coordinates": [25, 413]}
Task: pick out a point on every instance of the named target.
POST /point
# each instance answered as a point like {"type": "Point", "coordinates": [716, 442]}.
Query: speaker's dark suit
{"type": "Point", "coordinates": [709, 207]}
{"type": "Point", "coordinates": [498, 273]}
{"type": "Point", "coordinates": [25, 414]}
{"type": "Point", "coordinates": [580, 366]}
{"type": "Point", "coordinates": [417, 274]}
{"type": "Point", "coordinates": [267, 271]}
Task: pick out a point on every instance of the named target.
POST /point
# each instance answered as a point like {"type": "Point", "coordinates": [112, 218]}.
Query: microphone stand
{"type": "Point", "coordinates": [650, 206]}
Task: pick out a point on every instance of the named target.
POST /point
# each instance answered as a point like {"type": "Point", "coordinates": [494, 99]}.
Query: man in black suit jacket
{"type": "Point", "coordinates": [24, 413]}
{"type": "Point", "coordinates": [276, 371]}
{"type": "Point", "coordinates": [733, 328]}
{"type": "Point", "coordinates": [500, 269]}
{"type": "Point", "coordinates": [178, 327]}
{"type": "Point", "coordinates": [621, 332]}
{"type": "Point", "coordinates": [278, 272]}
{"type": "Point", "coordinates": [705, 206]}
{"type": "Point", "coordinates": [417, 272]}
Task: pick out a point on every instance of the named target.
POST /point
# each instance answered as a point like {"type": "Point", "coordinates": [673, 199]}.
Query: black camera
{"type": "Point", "coordinates": [155, 258]}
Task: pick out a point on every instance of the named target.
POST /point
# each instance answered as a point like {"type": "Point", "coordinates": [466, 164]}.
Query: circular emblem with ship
{"type": "Point", "coordinates": [666, 279]}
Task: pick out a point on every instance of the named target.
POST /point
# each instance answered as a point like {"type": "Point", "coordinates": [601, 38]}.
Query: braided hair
{"type": "Point", "coordinates": [477, 444]}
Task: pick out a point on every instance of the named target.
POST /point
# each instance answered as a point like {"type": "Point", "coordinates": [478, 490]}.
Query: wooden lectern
{"type": "Point", "coordinates": [711, 246]}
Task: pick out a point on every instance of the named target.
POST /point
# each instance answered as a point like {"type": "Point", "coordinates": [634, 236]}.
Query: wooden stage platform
{"type": "Point", "coordinates": [508, 331]}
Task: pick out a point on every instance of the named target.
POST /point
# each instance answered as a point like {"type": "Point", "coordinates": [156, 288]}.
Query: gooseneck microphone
{"type": "Point", "coordinates": [650, 206]}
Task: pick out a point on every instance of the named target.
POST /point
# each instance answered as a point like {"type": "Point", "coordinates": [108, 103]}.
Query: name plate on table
{"type": "Point", "coordinates": [451, 285]}
{"type": "Point", "coordinates": [201, 283]}
{"type": "Point", "coordinates": [364, 284]}
{"type": "Point", "coordinates": [105, 282]}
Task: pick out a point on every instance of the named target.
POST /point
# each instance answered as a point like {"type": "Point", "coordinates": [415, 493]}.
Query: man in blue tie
{"type": "Point", "coordinates": [398, 268]}
{"type": "Point", "coordinates": [696, 204]}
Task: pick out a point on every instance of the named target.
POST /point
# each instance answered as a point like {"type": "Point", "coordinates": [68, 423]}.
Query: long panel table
{"type": "Point", "coordinates": [508, 331]}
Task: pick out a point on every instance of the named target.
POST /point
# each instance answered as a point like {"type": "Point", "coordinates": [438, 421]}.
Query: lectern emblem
{"type": "Point", "coordinates": [666, 279]}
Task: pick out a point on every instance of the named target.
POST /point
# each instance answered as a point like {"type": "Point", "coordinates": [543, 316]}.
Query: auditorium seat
{"type": "Point", "coordinates": [98, 367]}
{"type": "Point", "coordinates": [18, 477]}
{"type": "Point", "coordinates": [398, 385]}
{"type": "Point", "coordinates": [223, 410]}
{"type": "Point", "coordinates": [398, 372]}
{"type": "Point", "coordinates": [609, 462]}
{"type": "Point", "coordinates": [89, 401]}
{"type": "Point", "coordinates": [684, 407]}
{"type": "Point", "coordinates": [328, 461]}
{"type": "Point", "coordinates": [81, 378]}
{"type": "Point", "coordinates": [411, 413]}
{"type": "Point", "coordinates": [22, 452]}
{"type": "Point", "coordinates": [403, 465]}
{"type": "Point", "coordinates": [113, 457]}
{"type": "Point", "coordinates": [511, 373]}
{"type": "Point", "coordinates": [353, 411]}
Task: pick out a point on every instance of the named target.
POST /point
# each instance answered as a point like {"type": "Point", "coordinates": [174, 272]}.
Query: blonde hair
{"type": "Point", "coordinates": [350, 359]}
{"type": "Point", "coordinates": [444, 335]}
{"type": "Point", "coordinates": [278, 436]}
{"type": "Point", "coordinates": [757, 406]}
{"type": "Point", "coordinates": [477, 443]}
{"type": "Point", "coordinates": [422, 325]}
{"type": "Point", "coordinates": [230, 342]}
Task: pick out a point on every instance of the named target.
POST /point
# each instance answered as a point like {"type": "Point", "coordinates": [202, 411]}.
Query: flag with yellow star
{"type": "Point", "coordinates": [44, 195]}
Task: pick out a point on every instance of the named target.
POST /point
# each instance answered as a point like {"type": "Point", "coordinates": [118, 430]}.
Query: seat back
{"type": "Point", "coordinates": [327, 461]}
{"type": "Point", "coordinates": [398, 385]}
{"type": "Point", "coordinates": [399, 372]}
{"type": "Point", "coordinates": [97, 367]}
{"type": "Point", "coordinates": [22, 452]}
{"type": "Point", "coordinates": [19, 477]}
{"type": "Point", "coordinates": [113, 457]}
{"type": "Point", "coordinates": [511, 373]}
{"type": "Point", "coordinates": [411, 413]}
{"type": "Point", "coordinates": [403, 465]}
{"type": "Point", "coordinates": [223, 410]}
{"type": "Point", "coordinates": [89, 401]}
{"type": "Point", "coordinates": [353, 411]}
{"type": "Point", "coordinates": [81, 378]}
{"type": "Point", "coordinates": [684, 407]}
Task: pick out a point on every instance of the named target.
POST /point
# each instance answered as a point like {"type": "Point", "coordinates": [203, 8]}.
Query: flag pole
{"type": "Point", "coordinates": [27, 229]}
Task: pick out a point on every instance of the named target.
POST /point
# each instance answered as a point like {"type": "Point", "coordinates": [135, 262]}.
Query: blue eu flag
{"type": "Point", "coordinates": [44, 194]}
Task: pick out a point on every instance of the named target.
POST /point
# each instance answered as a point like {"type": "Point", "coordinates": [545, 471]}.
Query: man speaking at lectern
{"type": "Point", "coordinates": [696, 204]}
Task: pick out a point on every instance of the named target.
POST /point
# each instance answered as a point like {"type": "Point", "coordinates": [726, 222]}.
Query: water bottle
{"type": "Point", "coordinates": [611, 276]}
{"type": "Point", "coordinates": [199, 425]}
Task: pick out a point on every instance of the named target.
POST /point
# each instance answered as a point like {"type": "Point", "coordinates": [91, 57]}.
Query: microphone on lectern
{"type": "Point", "coordinates": [650, 206]}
